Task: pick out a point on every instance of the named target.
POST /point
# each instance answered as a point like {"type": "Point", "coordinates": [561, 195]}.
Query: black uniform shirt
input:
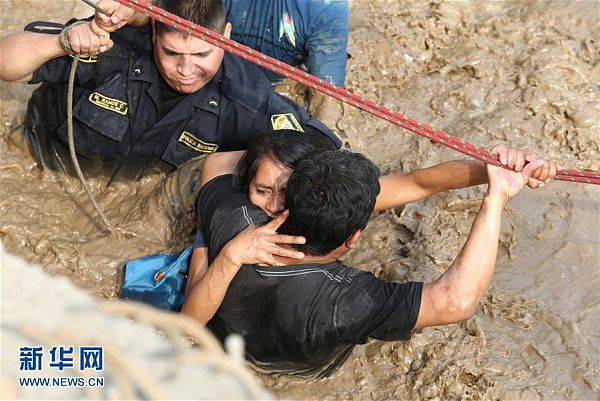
{"type": "Point", "coordinates": [117, 106]}
{"type": "Point", "coordinates": [306, 318]}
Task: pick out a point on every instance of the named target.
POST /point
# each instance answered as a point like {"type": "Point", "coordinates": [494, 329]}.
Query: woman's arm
{"type": "Point", "coordinates": [204, 292]}
{"type": "Point", "coordinates": [206, 288]}
{"type": "Point", "coordinates": [198, 267]}
{"type": "Point", "coordinates": [220, 163]}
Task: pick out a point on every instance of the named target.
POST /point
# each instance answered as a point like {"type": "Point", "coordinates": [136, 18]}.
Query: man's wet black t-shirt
{"type": "Point", "coordinates": [305, 318]}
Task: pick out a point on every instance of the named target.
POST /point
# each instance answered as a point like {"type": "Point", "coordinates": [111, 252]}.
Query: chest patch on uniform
{"type": "Point", "coordinates": [108, 103]}
{"type": "Point", "coordinates": [285, 121]}
{"type": "Point", "coordinates": [199, 146]}
{"type": "Point", "coordinates": [86, 59]}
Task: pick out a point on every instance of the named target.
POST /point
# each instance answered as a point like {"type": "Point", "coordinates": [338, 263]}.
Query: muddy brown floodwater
{"type": "Point", "coordinates": [520, 72]}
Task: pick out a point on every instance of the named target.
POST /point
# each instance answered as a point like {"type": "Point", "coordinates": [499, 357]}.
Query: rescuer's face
{"type": "Point", "coordinates": [186, 63]}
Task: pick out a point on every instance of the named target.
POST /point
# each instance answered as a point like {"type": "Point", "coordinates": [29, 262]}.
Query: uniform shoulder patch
{"type": "Point", "coordinates": [116, 105]}
{"type": "Point", "coordinates": [198, 145]}
{"type": "Point", "coordinates": [285, 121]}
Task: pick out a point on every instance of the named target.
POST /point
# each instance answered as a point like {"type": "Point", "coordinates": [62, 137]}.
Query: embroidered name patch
{"type": "Point", "coordinates": [285, 121]}
{"type": "Point", "coordinates": [199, 146]}
{"type": "Point", "coordinates": [109, 104]}
{"type": "Point", "coordinates": [86, 59]}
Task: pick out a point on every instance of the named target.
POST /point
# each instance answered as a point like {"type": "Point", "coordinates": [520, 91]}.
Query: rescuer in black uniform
{"type": "Point", "coordinates": [144, 94]}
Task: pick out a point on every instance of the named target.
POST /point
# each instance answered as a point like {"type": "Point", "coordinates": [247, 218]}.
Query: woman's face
{"type": "Point", "coordinates": [267, 187]}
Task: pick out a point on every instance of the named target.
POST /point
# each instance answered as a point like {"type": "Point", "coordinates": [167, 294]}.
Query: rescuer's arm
{"type": "Point", "coordinates": [454, 296]}
{"type": "Point", "coordinates": [22, 53]}
{"type": "Point", "coordinates": [400, 189]}
{"type": "Point", "coordinates": [119, 16]}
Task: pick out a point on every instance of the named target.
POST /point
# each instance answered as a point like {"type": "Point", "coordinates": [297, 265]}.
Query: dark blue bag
{"type": "Point", "coordinates": [158, 280]}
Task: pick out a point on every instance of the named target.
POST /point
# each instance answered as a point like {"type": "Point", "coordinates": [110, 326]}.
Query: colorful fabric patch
{"type": "Point", "coordinates": [198, 145]}
{"type": "Point", "coordinates": [108, 103]}
{"type": "Point", "coordinates": [285, 121]}
{"type": "Point", "coordinates": [287, 29]}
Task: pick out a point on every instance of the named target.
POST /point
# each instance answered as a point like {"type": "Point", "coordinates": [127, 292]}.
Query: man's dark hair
{"type": "Point", "coordinates": [209, 14]}
{"type": "Point", "coordinates": [330, 195]}
{"type": "Point", "coordinates": [284, 146]}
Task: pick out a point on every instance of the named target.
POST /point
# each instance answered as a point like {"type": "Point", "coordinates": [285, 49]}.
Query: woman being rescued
{"type": "Point", "coordinates": [262, 172]}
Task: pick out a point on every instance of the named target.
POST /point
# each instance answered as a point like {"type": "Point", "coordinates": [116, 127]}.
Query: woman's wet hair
{"type": "Point", "coordinates": [287, 147]}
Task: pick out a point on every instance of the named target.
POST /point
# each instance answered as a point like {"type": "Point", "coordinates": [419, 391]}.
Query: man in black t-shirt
{"type": "Point", "coordinates": [305, 318]}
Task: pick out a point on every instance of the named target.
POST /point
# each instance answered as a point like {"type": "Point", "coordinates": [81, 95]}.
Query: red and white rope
{"type": "Point", "coordinates": [589, 177]}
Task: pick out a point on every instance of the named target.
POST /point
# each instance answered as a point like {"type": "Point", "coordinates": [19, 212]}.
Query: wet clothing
{"type": "Point", "coordinates": [302, 319]}
{"type": "Point", "coordinates": [310, 32]}
{"type": "Point", "coordinates": [199, 239]}
{"type": "Point", "coordinates": [123, 112]}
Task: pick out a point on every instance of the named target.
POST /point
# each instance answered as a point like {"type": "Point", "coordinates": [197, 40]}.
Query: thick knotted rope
{"type": "Point", "coordinates": [88, 191]}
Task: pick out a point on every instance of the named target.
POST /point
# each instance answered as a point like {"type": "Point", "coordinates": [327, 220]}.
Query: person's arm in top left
{"type": "Point", "coordinates": [23, 53]}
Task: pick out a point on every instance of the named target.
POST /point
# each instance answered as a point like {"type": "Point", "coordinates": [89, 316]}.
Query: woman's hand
{"type": "Point", "coordinates": [261, 245]}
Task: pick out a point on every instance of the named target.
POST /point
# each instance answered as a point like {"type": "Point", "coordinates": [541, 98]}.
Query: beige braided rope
{"type": "Point", "coordinates": [131, 379]}
{"type": "Point", "coordinates": [178, 328]}
{"type": "Point", "coordinates": [88, 191]}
